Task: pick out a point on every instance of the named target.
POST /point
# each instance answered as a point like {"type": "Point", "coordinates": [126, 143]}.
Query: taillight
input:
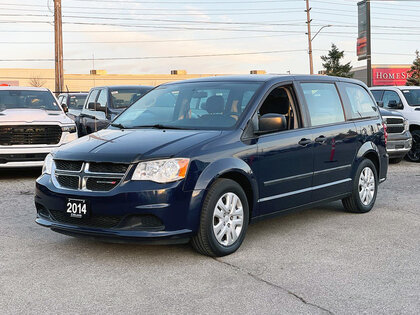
{"type": "Point", "coordinates": [385, 132]}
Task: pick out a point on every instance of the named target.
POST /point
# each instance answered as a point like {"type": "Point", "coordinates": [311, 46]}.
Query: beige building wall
{"type": "Point", "coordinates": [84, 82]}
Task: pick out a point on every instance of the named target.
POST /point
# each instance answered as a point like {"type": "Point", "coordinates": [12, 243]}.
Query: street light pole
{"type": "Point", "coordinates": [308, 21]}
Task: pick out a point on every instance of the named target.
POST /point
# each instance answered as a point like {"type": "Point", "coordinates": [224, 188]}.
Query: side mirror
{"type": "Point", "coordinates": [65, 108]}
{"type": "Point", "coordinates": [380, 103]}
{"type": "Point", "coordinates": [92, 106]}
{"type": "Point", "coordinates": [271, 123]}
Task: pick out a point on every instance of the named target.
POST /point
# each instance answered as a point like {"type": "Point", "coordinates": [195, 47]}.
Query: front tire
{"type": "Point", "coordinates": [414, 154]}
{"type": "Point", "coordinates": [224, 219]}
{"type": "Point", "coordinates": [365, 189]}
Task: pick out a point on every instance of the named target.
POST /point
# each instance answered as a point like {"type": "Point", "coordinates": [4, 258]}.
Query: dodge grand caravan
{"type": "Point", "coordinates": [200, 159]}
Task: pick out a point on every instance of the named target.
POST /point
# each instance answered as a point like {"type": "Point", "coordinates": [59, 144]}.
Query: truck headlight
{"type": "Point", "coordinates": [47, 167]}
{"type": "Point", "coordinates": [406, 125]}
{"type": "Point", "coordinates": [162, 171]}
{"type": "Point", "coordinates": [69, 129]}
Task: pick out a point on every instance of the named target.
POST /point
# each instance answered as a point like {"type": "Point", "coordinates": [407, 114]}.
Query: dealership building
{"type": "Point", "coordinates": [384, 74]}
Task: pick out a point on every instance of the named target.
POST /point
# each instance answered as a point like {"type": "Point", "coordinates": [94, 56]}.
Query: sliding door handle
{"type": "Point", "coordinates": [321, 139]}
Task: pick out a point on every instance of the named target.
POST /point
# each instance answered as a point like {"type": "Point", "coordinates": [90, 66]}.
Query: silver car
{"type": "Point", "coordinates": [32, 124]}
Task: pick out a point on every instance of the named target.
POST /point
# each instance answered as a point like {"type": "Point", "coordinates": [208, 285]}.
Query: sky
{"type": "Point", "coordinates": [225, 36]}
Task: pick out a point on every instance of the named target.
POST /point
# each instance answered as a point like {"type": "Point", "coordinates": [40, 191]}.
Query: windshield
{"type": "Point", "coordinates": [12, 99]}
{"type": "Point", "coordinates": [122, 98]}
{"type": "Point", "coordinates": [203, 105]}
{"type": "Point", "coordinates": [77, 101]}
{"type": "Point", "coordinates": [412, 96]}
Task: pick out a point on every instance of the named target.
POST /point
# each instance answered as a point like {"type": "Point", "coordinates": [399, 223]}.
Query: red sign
{"type": "Point", "coordinates": [389, 76]}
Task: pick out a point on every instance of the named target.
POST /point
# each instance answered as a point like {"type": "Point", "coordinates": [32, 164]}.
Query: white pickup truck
{"type": "Point", "coordinates": [32, 124]}
{"type": "Point", "coordinates": [406, 101]}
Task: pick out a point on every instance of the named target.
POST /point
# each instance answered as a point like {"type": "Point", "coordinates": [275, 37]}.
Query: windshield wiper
{"type": "Point", "coordinates": [120, 126]}
{"type": "Point", "coordinates": [157, 126]}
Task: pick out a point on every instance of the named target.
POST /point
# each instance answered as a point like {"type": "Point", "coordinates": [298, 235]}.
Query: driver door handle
{"type": "Point", "coordinates": [304, 142]}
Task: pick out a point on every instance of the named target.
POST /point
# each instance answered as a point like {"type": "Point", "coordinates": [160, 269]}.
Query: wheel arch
{"type": "Point", "coordinates": [236, 170]}
{"type": "Point", "coordinates": [414, 127]}
{"type": "Point", "coordinates": [369, 151]}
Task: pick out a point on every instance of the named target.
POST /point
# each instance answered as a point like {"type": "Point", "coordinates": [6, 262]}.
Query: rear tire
{"type": "Point", "coordinates": [365, 189]}
{"type": "Point", "coordinates": [224, 219]}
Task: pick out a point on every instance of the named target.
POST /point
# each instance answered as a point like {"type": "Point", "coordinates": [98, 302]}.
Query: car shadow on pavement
{"type": "Point", "coordinates": [262, 231]}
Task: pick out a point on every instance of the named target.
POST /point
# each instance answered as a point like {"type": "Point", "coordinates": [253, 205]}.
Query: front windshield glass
{"type": "Point", "coordinates": [16, 99]}
{"type": "Point", "coordinates": [412, 96]}
{"type": "Point", "coordinates": [122, 98]}
{"type": "Point", "coordinates": [203, 105]}
{"type": "Point", "coordinates": [77, 101]}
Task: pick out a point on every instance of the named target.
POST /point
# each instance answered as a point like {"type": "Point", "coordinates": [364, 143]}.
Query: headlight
{"type": "Point", "coordinates": [46, 168]}
{"type": "Point", "coordinates": [70, 129]}
{"type": "Point", "coordinates": [406, 125]}
{"type": "Point", "coordinates": [161, 171]}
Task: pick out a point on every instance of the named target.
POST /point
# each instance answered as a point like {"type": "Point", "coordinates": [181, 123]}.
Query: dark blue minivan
{"type": "Point", "coordinates": [199, 160]}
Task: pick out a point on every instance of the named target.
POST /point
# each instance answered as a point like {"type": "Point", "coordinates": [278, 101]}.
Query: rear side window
{"type": "Point", "coordinates": [324, 103]}
{"type": "Point", "coordinates": [361, 103]}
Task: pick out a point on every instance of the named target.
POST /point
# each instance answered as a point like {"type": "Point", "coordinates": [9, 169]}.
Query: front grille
{"type": "Point", "coordinates": [71, 182]}
{"type": "Point", "coordinates": [24, 157]}
{"type": "Point", "coordinates": [393, 120]}
{"type": "Point", "coordinates": [108, 168]}
{"type": "Point", "coordinates": [89, 176]}
{"type": "Point", "coordinates": [395, 129]}
{"type": "Point", "coordinates": [30, 134]}
{"type": "Point", "coordinates": [394, 124]}
{"type": "Point", "coordinates": [106, 222]}
{"type": "Point", "coordinates": [68, 165]}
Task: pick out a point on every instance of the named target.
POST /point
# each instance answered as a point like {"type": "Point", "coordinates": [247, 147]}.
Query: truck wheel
{"type": "Point", "coordinates": [395, 160]}
{"type": "Point", "coordinates": [224, 219]}
{"type": "Point", "coordinates": [365, 189]}
{"type": "Point", "coordinates": [414, 154]}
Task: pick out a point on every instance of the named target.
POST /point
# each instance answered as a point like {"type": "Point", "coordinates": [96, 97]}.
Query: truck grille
{"type": "Point", "coordinates": [394, 124]}
{"type": "Point", "coordinates": [30, 134]}
{"type": "Point", "coordinates": [86, 176]}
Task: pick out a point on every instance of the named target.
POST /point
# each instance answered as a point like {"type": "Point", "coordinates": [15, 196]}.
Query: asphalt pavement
{"type": "Point", "coordinates": [317, 261]}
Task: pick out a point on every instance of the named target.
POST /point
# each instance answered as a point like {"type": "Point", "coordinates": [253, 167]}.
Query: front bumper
{"type": "Point", "coordinates": [177, 211]}
{"type": "Point", "coordinates": [399, 145]}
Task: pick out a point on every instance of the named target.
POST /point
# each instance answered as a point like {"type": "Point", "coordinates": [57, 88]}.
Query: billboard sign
{"type": "Point", "coordinates": [362, 33]}
{"type": "Point", "coordinates": [389, 76]}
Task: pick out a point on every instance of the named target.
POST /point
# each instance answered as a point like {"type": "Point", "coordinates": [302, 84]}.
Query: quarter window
{"type": "Point", "coordinates": [323, 102]}
{"type": "Point", "coordinates": [361, 103]}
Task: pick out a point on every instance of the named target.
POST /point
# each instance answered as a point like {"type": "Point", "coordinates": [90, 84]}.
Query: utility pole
{"type": "Point", "coordinates": [58, 32]}
{"type": "Point", "coordinates": [308, 16]}
{"type": "Point", "coordinates": [368, 46]}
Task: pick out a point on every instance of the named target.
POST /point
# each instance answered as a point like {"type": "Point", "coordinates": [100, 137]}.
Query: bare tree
{"type": "Point", "coordinates": [36, 81]}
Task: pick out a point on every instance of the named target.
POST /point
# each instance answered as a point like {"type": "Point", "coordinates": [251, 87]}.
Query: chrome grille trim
{"type": "Point", "coordinates": [84, 174]}
{"type": "Point", "coordinates": [394, 125]}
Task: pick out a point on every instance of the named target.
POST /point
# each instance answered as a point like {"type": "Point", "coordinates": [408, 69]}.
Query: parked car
{"type": "Point", "coordinates": [72, 103]}
{"type": "Point", "coordinates": [399, 137]}
{"type": "Point", "coordinates": [31, 125]}
{"type": "Point", "coordinates": [405, 100]}
{"type": "Point", "coordinates": [106, 102]}
{"type": "Point", "coordinates": [200, 159]}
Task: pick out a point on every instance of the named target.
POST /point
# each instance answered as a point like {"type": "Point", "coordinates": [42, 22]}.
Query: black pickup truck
{"type": "Point", "coordinates": [104, 103]}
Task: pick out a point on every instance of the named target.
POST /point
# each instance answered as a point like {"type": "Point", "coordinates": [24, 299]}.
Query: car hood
{"type": "Point", "coordinates": [126, 146]}
{"type": "Point", "coordinates": [33, 116]}
{"type": "Point", "coordinates": [385, 112]}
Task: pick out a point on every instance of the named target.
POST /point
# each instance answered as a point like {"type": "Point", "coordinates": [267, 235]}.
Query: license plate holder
{"type": "Point", "coordinates": [77, 208]}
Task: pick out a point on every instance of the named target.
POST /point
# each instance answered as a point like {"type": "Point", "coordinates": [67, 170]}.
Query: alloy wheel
{"type": "Point", "coordinates": [367, 186]}
{"type": "Point", "coordinates": [228, 219]}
